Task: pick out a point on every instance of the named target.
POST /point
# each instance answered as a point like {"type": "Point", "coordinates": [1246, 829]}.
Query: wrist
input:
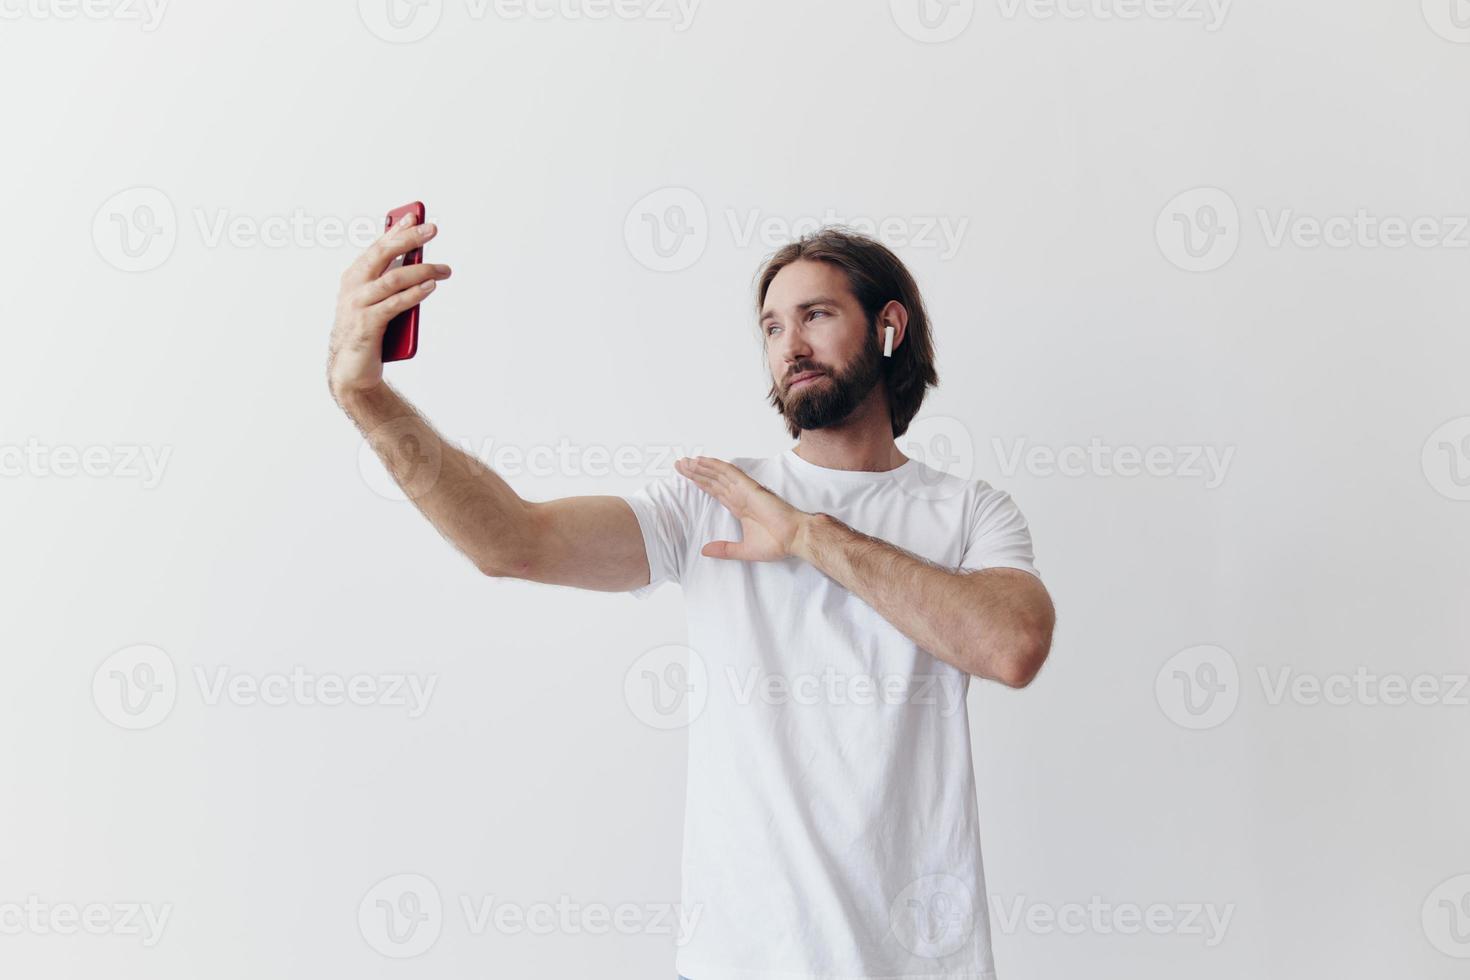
{"type": "Point", "coordinates": [356, 402]}
{"type": "Point", "coordinates": [808, 528]}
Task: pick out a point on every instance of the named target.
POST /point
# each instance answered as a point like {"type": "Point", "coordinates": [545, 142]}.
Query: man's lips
{"type": "Point", "coordinates": [803, 378]}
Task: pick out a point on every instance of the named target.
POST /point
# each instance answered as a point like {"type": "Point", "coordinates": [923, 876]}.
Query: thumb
{"type": "Point", "coordinates": [723, 549]}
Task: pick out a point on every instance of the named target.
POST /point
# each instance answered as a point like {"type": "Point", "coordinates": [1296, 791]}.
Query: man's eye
{"type": "Point", "coordinates": [771, 328]}
{"type": "Point", "coordinates": [819, 313]}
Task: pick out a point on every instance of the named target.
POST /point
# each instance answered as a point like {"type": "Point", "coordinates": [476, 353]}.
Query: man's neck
{"type": "Point", "coordinates": [864, 441]}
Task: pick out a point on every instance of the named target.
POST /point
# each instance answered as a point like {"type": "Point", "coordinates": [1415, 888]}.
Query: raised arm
{"type": "Point", "coordinates": [589, 542]}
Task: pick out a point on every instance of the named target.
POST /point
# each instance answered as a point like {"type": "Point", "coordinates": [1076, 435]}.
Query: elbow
{"type": "Point", "coordinates": [491, 569]}
{"type": "Point", "coordinates": [1019, 661]}
{"type": "Point", "coordinates": [503, 567]}
{"type": "Point", "coordinates": [512, 552]}
{"type": "Point", "coordinates": [1020, 668]}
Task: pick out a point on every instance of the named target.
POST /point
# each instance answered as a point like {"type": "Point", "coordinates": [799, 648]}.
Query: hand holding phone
{"type": "Point", "coordinates": [401, 339]}
{"type": "Point", "coordinates": [377, 305]}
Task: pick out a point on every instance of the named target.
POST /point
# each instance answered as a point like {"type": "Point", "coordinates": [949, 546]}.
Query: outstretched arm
{"type": "Point", "coordinates": [589, 542]}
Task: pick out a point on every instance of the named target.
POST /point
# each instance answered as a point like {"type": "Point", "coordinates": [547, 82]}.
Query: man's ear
{"type": "Point", "coordinates": [893, 315]}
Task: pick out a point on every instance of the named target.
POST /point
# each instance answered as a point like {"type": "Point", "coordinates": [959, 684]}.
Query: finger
{"type": "Point", "coordinates": [396, 280]}
{"type": "Point", "coordinates": [699, 466]}
{"type": "Point", "coordinates": [702, 479]}
{"type": "Point", "coordinates": [724, 549]}
{"type": "Point", "coordinates": [401, 238]}
{"type": "Point", "coordinates": [398, 302]}
{"type": "Point", "coordinates": [728, 474]}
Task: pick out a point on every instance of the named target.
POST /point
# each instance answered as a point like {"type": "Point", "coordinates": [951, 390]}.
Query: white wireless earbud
{"type": "Point", "coordinates": [888, 341]}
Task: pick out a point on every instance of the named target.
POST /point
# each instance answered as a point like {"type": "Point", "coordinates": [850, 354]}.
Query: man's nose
{"type": "Point", "coordinates": [792, 346]}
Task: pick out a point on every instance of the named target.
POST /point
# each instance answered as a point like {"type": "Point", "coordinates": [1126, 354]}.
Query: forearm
{"type": "Point", "coordinates": [467, 502]}
{"type": "Point", "coordinates": [987, 623]}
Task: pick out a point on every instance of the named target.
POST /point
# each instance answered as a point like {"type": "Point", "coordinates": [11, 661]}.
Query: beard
{"type": "Point", "coordinates": [829, 400]}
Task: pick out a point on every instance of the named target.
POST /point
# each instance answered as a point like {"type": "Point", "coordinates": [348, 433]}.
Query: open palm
{"type": "Point", "coordinates": [768, 524]}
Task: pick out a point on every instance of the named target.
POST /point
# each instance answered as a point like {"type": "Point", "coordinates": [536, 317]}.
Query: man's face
{"type": "Point", "coordinates": [821, 348]}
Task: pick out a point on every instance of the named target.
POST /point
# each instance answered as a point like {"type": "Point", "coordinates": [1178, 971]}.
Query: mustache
{"type": "Point", "coordinates": [805, 368]}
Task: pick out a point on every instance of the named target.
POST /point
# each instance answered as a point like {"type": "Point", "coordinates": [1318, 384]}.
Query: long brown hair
{"type": "Point", "coordinates": [876, 277]}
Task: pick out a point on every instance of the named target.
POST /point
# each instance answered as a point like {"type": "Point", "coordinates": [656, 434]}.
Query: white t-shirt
{"type": "Point", "coordinates": [830, 827]}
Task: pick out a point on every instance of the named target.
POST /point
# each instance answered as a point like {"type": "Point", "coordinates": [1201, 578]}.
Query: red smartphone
{"type": "Point", "coordinates": [401, 339]}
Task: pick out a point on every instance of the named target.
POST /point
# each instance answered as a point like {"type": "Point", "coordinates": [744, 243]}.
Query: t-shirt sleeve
{"type": "Point", "coordinates": [665, 509]}
{"type": "Point", "coordinates": [999, 536]}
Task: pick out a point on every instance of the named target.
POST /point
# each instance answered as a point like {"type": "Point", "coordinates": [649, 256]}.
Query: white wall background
{"type": "Point", "coordinates": [1054, 147]}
